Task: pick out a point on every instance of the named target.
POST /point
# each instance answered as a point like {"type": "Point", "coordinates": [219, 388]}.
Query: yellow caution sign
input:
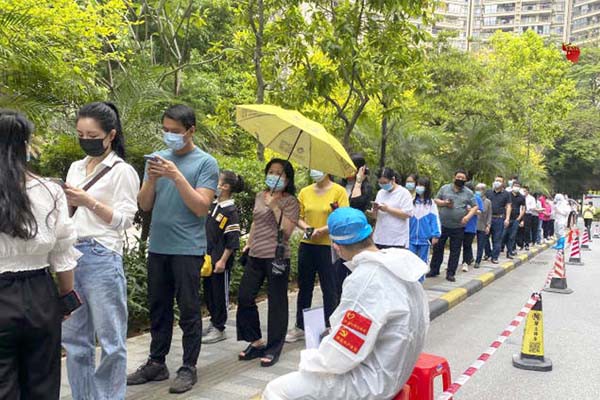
{"type": "Point", "coordinates": [533, 337]}
{"type": "Point", "coordinates": [532, 351]}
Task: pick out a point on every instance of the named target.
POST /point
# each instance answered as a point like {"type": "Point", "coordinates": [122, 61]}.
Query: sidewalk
{"type": "Point", "coordinates": [222, 377]}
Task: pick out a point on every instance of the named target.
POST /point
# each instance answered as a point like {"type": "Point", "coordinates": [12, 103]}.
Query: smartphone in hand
{"type": "Point", "coordinates": [150, 157]}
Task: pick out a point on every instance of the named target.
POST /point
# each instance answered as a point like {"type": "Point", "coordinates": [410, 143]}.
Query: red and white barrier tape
{"type": "Point", "coordinates": [486, 355]}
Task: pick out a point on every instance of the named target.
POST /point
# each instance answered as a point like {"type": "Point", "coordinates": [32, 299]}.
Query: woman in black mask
{"type": "Point", "coordinates": [102, 192]}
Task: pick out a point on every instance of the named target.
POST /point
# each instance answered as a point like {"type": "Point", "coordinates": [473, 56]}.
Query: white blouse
{"type": "Point", "coordinates": [53, 244]}
{"type": "Point", "coordinates": [117, 189]}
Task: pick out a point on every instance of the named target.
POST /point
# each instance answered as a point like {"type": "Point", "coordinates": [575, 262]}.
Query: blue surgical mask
{"type": "Point", "coordinates": [275, 182]}
{"type": "Point", "coordinates": [316, 176]}
{"type": "Point", "coordinates": [387, 186]}
{"type": "Point", "coordinates": [419, 190]}
{"type": "Point", "coordinates": [478, 193]}
{"type": "Point", "coordinates": [174, 141]}
{"type": "Point", "coordinates": [410, 186]}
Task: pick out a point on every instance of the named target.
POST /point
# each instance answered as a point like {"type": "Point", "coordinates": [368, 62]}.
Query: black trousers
{"type": "Point", "coordinates": [247, 318]}
{"type": "Point", "coordinates": [216, 296]}
{"type": "Point", "coordinates": [456, 238]}
{"type": "Point", "coordinates": [468, 248]}
{"type": "Point", "coordinates": [533, 225]}
{"type": "Point", "coordinates": [174, 277]}
{"type": "Point", "coordinates": [341, 273]}
{"type": "Point", "coordinates": [548, 228]}
{"type": "Point", "coordinates": [588, 225]}
{"type": "Point", "coordinates": [315, 259]}
{"type": "Point", "coordinates": [30, 331]}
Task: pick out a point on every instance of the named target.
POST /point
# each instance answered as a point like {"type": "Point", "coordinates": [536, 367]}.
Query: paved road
{"type": "Point", "coordinates": [572, 330]}
{"type": "Point", "coordinates": [222, 377]}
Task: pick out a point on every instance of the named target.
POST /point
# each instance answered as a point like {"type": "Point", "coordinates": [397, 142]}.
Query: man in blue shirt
{"type": "Point", "coordinates": [179, 187]}
{"type": "Point", "coordinates": [471, 232]}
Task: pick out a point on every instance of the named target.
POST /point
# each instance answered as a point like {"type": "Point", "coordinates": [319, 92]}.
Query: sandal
{"type": "Point", "coordinates": [273, 358]}
{"type": "Point", "coordinates": [251, 352]}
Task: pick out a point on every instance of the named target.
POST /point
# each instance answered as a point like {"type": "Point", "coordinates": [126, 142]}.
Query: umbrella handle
{"type": "Point", "coordinates": [288, 160]}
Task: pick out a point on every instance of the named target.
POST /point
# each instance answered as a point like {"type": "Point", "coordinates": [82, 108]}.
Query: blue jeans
{"type": "Point", "coordinates": [483, 244]}
{"type": "Point", "coordinates": [511, 235]}
{"type": "Point", "coordinates": [101, 284]}
{"type": "Point", "coordinates": [496, 231]}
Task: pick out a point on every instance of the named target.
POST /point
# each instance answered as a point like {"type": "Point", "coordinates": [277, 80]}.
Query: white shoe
{"type": "Point", "coordinates": [294, 335]}
{"type": "Point", "coordinates": [214, 336]}
{"type": "Point", "coordinates": [207, 329]}
{"type": "Point", "coordinates": [465, 268]}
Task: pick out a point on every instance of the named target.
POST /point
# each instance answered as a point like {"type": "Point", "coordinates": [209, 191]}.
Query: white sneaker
{"type": "Point", "coordinates": [465, 268]}
{"type": "Point", "coordinates": [214, 336]}
{"type": "Point", "coordinates": [207, 329]}
{"type": "Point", "coordinates": [294, 335]}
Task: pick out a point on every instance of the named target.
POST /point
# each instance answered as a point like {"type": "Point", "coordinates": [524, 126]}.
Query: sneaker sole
{"type": "Point", "coordinates": [294, 340]}
{"type": "Point", "coordinates": [214, 340]}
{"type": "Point", "coordinates": [158, 378]}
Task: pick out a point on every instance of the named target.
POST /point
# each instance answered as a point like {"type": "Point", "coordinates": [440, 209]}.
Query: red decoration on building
{"type": "Point", "coordinates": [572, 51]}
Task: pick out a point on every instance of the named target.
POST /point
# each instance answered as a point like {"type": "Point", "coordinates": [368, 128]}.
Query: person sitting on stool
{"type": "Point", "coordinates": [377, 331]}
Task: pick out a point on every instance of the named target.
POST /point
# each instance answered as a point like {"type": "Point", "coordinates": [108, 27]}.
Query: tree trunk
{"type": "Point", "coordinates": [258, 55]}
{"type": "Point", "coordinates": [384, 137]}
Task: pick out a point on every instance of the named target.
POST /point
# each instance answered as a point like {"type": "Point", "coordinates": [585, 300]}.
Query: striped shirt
{"type": "Point", "coordinates": [264, 225]}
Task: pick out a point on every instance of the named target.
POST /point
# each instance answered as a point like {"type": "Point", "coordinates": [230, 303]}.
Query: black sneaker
{"type": "Point", "coordinates": [151, 371]}
{"type": "Point", "coordinates": [450, 278]}
{"type": "Point", "coordinates": [186, 378]}
{"type": "Point", "coordinates": [431, 275]}
{"type": "Point", "coordinates": [476, 265]}
{"type": "Point", "coordinates": [494, 261]}
{"type": "Point", "coordinates": [485, 258]}
{"type": "Point", "coordinates": [509, 256]}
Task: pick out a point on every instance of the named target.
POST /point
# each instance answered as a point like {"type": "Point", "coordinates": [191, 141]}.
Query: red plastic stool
{"type": "Point", "coordinates": [427, 368]}
{"type": "Point", "coordinates": [404, 393]}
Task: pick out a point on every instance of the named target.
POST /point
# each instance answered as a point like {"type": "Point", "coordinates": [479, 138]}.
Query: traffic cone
{"type": "Point", "coordinates": [532, 350]}
{"type": "Point", "coordinates": [558, 283]}
{"type": "Point", "coordinates": [585, 242]}
{"type": "Point", "coordinates": [575, 256]}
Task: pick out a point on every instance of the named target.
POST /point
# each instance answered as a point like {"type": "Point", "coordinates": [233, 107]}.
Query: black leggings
{"type": "Point", "coordinates": [30, 331]}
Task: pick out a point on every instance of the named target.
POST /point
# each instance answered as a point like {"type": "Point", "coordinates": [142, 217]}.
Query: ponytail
{"type": "Point", "coordinates": [107, 116]}
{"type": "Point", "coordinates": [235, 181]}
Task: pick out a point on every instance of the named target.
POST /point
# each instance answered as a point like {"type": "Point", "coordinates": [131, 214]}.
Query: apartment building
{"type": "Point", "coordinates": [474, 21]}
{"type": "Point", "coordinates": [585, 21]}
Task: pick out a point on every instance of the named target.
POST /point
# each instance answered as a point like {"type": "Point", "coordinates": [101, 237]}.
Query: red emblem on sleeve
{"type": "Point", "coordinates": [348, 339]}
{"type": "Point", "coordinates": [359, 323]}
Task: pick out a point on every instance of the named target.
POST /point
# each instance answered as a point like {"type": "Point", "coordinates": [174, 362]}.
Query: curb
{"type": "Point", "coordinates": [455, 296]}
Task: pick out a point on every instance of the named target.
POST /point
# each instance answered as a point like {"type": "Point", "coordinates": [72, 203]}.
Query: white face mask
{"type": "Point", "coordinates": [316, 175]}
{"type": "Point", "coordinates": [497, 184]}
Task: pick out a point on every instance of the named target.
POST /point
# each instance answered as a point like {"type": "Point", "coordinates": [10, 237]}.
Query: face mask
{"type": "Point", "coordinates": [496, 185]}
{"type": "Point", "coordinates": [174, 141]}
{"type": "Point", "coordinates": [410, 186]}
{"type": "Point", "coordinates": [275, 182]}
{"type": "Point", "coordinates": [510, 183]}
{"type": "Point", "coordinates": [316, 176]}
{"type": "Point", "coordinates": [92, 147]}
{"type": "Point", "coordinates": [460, 183]}
{"type": "Point", "coordinates": [386, 186]}
{"type": "Point", "coordinates": [420, 190]}
{"type": "Point", "coordinates": [478, 193]}
{"type": "Point", "coordinates": [516, 189]}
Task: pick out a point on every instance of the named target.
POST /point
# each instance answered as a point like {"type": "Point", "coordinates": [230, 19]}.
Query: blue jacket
{"type": "Point", "coordinates": [424, 224]}
{"type": "Point", "coordinates": [471, 226]}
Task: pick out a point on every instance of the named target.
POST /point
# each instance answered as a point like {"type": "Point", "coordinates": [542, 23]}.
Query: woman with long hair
{"type": "Point", "coordinates": [424, 224]}
{"type": "Point", "coordinates": [101, 190]}
{"type": "Point", "coordinates": [276, 212]}
{"type": "Point", "coordinates": [36, 238]}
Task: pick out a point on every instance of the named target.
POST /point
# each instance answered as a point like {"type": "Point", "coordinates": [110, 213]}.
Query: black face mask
{"type": "Point", "coordinates": [460, 183]}
{"type": "Point", "coordinates": [92, 147]}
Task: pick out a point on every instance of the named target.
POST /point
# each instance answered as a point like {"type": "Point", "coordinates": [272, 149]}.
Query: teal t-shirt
{"type": "Point", "coordinates": [175, 229]}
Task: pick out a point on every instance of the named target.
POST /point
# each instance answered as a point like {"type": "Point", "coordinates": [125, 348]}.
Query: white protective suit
{"type": "Point", "coordinates": [562, 209]}
{"type": "Point", "coordinates": [377, 334]}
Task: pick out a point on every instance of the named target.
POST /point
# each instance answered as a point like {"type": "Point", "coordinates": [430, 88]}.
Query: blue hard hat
{"type": "Point", "coordinates": [348, 226]}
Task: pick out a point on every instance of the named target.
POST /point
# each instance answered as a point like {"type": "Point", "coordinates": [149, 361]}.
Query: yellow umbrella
{"type": "Point", "coordinates": [302, 140]}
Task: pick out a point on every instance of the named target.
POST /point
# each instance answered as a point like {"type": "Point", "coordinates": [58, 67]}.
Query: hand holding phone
{"type": "Point", "coordinates": [69, 302]}
{"type": "Point", "coordinates": [151, 157]}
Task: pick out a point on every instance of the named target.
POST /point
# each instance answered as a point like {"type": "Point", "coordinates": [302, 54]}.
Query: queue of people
{"type": "Point", "coordinates": [76, 228]}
